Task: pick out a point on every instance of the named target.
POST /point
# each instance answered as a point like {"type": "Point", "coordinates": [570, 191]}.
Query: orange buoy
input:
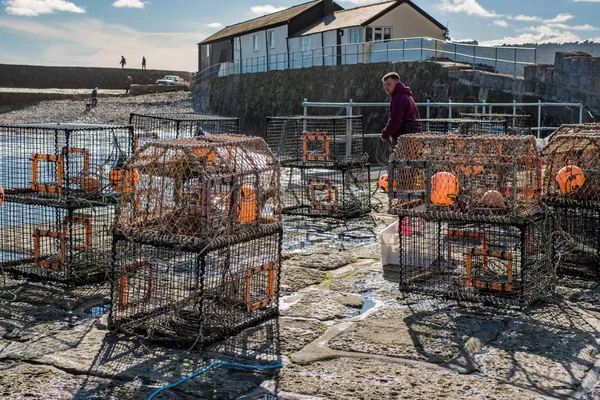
{"type": "Point", "coordinates": [493, 199]}
{"type": "Point", "coordinates": [444, 189]}
{"type": "Point", "coordinates": [247, 205]}
{"type": "Point", "coordinates": [383, 183]}
{"type": "Point", "coordinates": [1, 195]}
{"type": "Point", "coordinates": [570, 179]}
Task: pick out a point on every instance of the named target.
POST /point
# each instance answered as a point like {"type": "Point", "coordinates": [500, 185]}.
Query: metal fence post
{"type": "Point", "coordinates": [349, 129]}
{"type": "Point", "coordinates": [496, 61]}
{"type": "Point", "coordinates": [580, 113]}
{"type": "Point", "coordinates": [421, 49]}
{"type": "Point", "coordinates": [539, 117]}
{"type": "Point", "coordinates": [435, 51]}
{"type": "Point", "coordinates": [514, 113]}
{"type": "Point", "coordinates": [305, 114]}
{"type": "Point", "coordinates": [449, 108]}
{"type": "Point", "coordinates": [403, 47]}
{"type": "Point", "coordinates": [455, 58]}
{"type": "Point", "coordinates": [474, 58]}
{"type": "Point", "coordinates": [428, 106]}
{"type": "Point", "coordinates": [387, 51]}
{"type": "Point", "coordinates": [515, 65]}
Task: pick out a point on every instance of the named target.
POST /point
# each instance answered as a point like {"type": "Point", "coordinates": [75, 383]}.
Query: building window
{"type": "Point", "coordinates": [355, 35]}
{"type": "Point", "coordinates": [255, 42]}
{"type": "Point", "coordinates": [271, 39]}
{"type": "Point", "coordinates": [208, 51]}
{"type": "Point", "coordinates": [306, 45]}
{"type": "Point", "coordinates": [380, 33]}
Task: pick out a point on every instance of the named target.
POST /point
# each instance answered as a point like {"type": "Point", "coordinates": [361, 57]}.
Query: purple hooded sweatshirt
{"type": "Point", "coordinates": [402, 108]}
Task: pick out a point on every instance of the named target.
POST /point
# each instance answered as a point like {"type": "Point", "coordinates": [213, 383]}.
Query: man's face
{"type": "Point", "coordinates": [389, 86]}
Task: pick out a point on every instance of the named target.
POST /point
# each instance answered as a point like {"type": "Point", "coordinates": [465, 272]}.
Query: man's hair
{"type": "Point", "coordinates": [391, 75]}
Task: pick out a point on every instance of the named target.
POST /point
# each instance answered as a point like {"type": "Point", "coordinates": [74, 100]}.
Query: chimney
{"type": "Point", "coordinates": [327, 7]}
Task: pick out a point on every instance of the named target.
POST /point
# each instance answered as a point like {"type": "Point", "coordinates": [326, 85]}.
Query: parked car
{"type": "Point", "coordinates": [171, 80]}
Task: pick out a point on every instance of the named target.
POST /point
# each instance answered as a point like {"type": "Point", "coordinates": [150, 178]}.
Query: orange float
{"type": "Point", "coordinates": [247, 205]}
{"type": "Point", "coordinates": [383, 182]}
{"type": "Point", "coordinates": [570, 179]}
{"type": "Point", "coordinates": [1, 195]}
{"type": "Point", "coordinates": [444, 189]}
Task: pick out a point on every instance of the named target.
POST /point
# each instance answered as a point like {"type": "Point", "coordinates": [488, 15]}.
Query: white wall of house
{"type": "Point", "coordinates": [252, 49]}
{"type": "Point", "coordinates": [405, 22]}
{"type": "Point", "coordinates": [321, 48]}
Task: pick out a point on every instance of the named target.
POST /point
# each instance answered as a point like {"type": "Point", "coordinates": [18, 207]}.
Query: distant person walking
{"type": "Point", "coordinates": [123, 62]}
{"type": "Point", "coordinates": [128, 85]}
{"type": "Point", "coordinates": [402, 108]}
{"type": "Point", "coordinates": [143, 62]}
{"type": "Point", "coordinates": [95, 97]}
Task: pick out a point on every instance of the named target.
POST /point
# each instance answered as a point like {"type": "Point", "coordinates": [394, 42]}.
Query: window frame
{"type": "Point", "coordinates": [255, 46]}
{"type": "Point", "coordinates": [270, 33]}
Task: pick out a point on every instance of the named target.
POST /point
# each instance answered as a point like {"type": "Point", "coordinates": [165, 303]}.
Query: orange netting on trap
{"type": "Point", "coordinates": [199, 188]}
{"type": "Point", "coordinates": [485, 175]}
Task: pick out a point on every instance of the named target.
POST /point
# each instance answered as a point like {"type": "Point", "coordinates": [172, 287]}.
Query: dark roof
{"type": "Point", "coordinates": [361, 16]}
{"type": "Point", "coordinates": [260, 23]}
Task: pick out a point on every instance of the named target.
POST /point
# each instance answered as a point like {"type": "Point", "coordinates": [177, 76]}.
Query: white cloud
{"type": "Point", "coordinates": [527, 18]}
{"type": "Point", "coordinates": [538, 34]}
{"type": "Point", "coordinates": [469, 7]}
{"type": "Point", "coordinates": [585, 27]}
{"type": "Point", "coordinates": [128, 4]}
{"type": "Point", "coordinates": [214, 25]}
{"type": "Point", "coordinates": [90, 42]}
{"type": "Point", "coordinates": [559, 19]}
{"type": "Point", "coordinates": [502, 23]}
{"type": "Point", "coordinates": [33, 8]}
{"type": "Point", "coordinates": [266, 9]}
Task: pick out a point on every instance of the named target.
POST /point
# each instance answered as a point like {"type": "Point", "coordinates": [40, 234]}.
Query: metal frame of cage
{"type": "Point", "coordinates": [341, 191]}
{"type": "Point", "coordinates": [508, 261]}
{"type": "Point", "coordinates": [166, 126]}
{"type": "Point", "coordinates": [53, 243]}
{"type": "Point", "coordinates": [316, 139]}
{"type": "Point", "coordinates": [458, 126]}
{"type": "Point", "coordinates": [448, 174]}
{"type": "Point", "coordinates": [186, 296]}
{"type": "Point", "coordinates": [520, 123]}
{"type": "Point", "coordinates": [47, 162]}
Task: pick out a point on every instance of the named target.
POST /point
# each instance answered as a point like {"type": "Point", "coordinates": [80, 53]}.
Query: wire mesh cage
{"type": "Point", "coordinates": [510, 262]}
{"type": "Point", "coordinates": [54, 243]}
{"type": "Point", "coordinates": [58, 161]}
{"type": "Point", "coordinates": [316, 140]}
{"type": "Point", "coordinates": [449, 174]}
{"type": "Point", "coordinates": [165, 126]}
{"type": "Point", "coordinates": [338, 192]}
{"type": "Point", "coordinates": [575, 129]}
{"type": "Point", "coordinates": [196, 189]}
{"type": "Point", "coordinates": [195, 297]}
{"type": "Point", "coordinates": [578, 242]}
{"type": "Point", "coordinates": [459, 126]}
{"type": "Point", "coordinates": [519, 123]}
{"type": "Point", "coordinates": [572, 170]}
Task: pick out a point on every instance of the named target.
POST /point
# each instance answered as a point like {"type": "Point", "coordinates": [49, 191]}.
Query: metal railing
{"type": "Point", "coordinates": [507, 60]}
{"type": "Point", "coordinates": [481, 107]}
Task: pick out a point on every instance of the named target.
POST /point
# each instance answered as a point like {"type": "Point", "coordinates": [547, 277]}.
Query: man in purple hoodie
{"type": "Point", "coordinates": [402, 107]}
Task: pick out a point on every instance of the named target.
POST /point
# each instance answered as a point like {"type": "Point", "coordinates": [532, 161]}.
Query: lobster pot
{"type": "Point", "coordinates": [578, 241]}
{"type": "Point", "coordinates": [338, 192]}
{"type": "Point", "coordinates": [187, 296]}
{"type": "Point", "coordinates": [456, 175]}
{"type": "Point", "coordinates": [62, 160]}
{"type": "Point", "coordinates": [517, 123]}
{"type": "Point", "coordinates": [164, 126]}
{"type": "Point", "coordinates": [459, 126]}
{"type": "Point", "coordinates": [576, 129]}
{"type": "Point", "coordinates": [53, 243]}
{"type": "Point", "coordinates": [323, 139]}
{"type": "Point", "coordinates": [194, 189]}
{"type": "Point", "coordinates": [505, 262]}
{"type": "Point", "coordinates": [572, 170]}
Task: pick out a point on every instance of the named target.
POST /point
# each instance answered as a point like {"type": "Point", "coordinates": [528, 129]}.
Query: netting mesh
{"type": "Point", "coordinates": [340, 192]}
{"type": "Point", "coordinates": [323, 139]}
{"type": "Point", "coordinates": [195, 297]}
{"type": "Point", "coordinates": [503, 263]}
{"type": "Point", "coordinates": [165, 126]}
{"type": "Point", "coordinates": [572, 169]}
{"type": "Point", "coordinates": [460, 126]}
{"type": "Point", "coordinates": [55, 243]}
{"type": "Point", "coordinates": [40, 162]}
{"type": "Point", "coordinates": [519, 123]}
{"type": "Point", "coordinates": [449, 174]}
{"type": "Point", "coordinates": [194, 189]}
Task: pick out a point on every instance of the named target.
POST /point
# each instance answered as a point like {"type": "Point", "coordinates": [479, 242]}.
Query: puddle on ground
{"type": "Point", "coordinates": [367, 305]}
{"type": "Point", "coordinates": [97, 311]}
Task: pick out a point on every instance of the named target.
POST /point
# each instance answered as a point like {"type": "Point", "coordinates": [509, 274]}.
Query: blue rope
{"type": "Point", "coordinates": [213, 364]}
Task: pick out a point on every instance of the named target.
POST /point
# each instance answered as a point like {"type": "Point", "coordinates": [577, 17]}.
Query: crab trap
{"type": "Point", "coordinates": [517, 123]}
{"type": "Point", "coordinates": [165, 126]}
{"type": "Point", "coordinates": [457, 126]}
{"type": "Point", "coordinates": [194, 189]}
{"type": "Point", "coordinates": [340, 191]}
{"type": "Point", "coordinates": [49, 162]}
{"type": "Point", "coordinates": [455, 175]}
{"type": "Point", "coordinates": [508, 261]}
{"type": "Point", "coordinates": [191, 296]}
{"type": "Point", "coordinates": [316, 140]}
{"type": "Point", "coordinates": [56, 244]}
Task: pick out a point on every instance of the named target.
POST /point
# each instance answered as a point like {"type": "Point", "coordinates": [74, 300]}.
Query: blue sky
{"type": "Point", "coordinates": [98, 32]}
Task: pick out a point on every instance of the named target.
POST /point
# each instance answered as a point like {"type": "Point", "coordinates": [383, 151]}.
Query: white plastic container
{"type": "Point", "coordinates": [390, 245]}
